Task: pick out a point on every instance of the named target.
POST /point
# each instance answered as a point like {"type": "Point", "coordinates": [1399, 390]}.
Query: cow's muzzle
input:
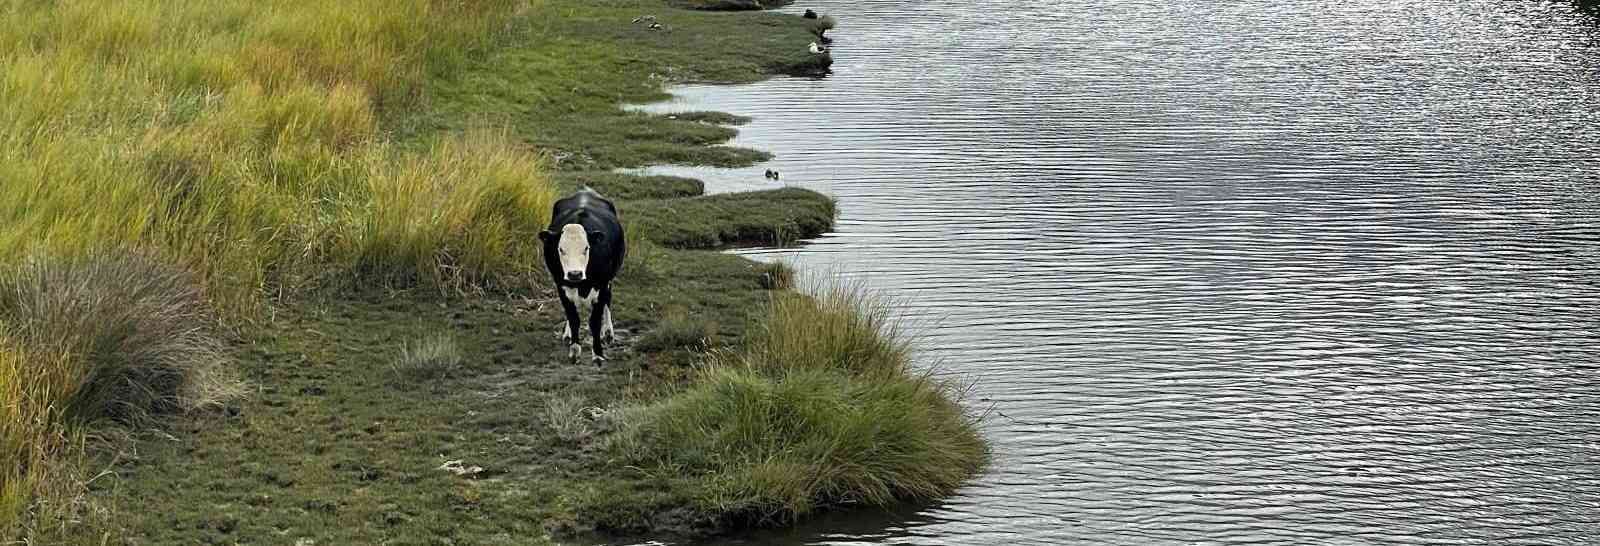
{"type": "Point", "coordinates": [574, 276]}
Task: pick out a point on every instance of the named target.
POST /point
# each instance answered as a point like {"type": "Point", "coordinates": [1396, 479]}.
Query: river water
{"type": "Point", "coordinates": [1244, 272]}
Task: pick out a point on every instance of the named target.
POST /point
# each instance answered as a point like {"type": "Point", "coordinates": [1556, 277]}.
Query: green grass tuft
{"type": "Point", "coordinates": [819, 408]}
{"type": "Point", "coordinates": [430, 358]}
{"type": "Point", "coordinates": [776, 275]}
{"type": "Point", "coordinates": [569, 418]}
{"type": "Point", "coordinates": [678, 330]}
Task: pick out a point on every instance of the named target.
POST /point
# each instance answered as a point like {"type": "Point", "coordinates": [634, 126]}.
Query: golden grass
{"type": "Point", "coordinates": [241, 140]}
{"type": "Point", "coordinates": [30, 431]}
{"type": "Point", "coordinates": [244, 138]}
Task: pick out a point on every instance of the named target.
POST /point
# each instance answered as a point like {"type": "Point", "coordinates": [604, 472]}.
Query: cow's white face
{"type": "Point", "coordinates": [574, 249]}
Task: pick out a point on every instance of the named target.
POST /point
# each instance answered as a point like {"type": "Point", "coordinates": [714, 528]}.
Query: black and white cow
{"type": "Point", "coordinates": [583, 249]}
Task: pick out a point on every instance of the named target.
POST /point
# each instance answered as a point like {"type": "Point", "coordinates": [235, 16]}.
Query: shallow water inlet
{"type": "Point", "coordinates": [1257, 272]}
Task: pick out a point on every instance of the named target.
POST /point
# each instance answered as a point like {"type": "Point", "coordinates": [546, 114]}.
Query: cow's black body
{"type": "Point", "coordinates": [607, 248]}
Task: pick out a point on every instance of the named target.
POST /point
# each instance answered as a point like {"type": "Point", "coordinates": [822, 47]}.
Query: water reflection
{"type": "Point", "coordinates": [1233, 272]}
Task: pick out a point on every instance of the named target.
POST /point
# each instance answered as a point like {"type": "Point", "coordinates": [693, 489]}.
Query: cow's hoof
{"type": "Point", "coordinates": [599, 361]}
{"type": "Point", "coordinates": [573, 352]}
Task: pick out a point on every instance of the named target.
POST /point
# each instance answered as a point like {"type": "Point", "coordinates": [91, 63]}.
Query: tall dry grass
{"type": "Point", "coordinates": [32, 440]}
{"type": "Point", "coordinates": [244, 138]}
{"type": "Point", "coordinates": [239, 145]}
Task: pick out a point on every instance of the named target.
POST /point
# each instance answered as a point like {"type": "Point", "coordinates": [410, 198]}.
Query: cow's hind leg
{"type": "Point", "coordinates": [597, 320]}
{"type": "Point", "coordinates": [571, 333]}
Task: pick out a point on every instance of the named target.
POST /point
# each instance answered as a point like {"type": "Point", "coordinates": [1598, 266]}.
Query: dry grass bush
{"type": "Point", "coordinates": [114, 335]}
{"type": "Point", "coordinates": [135, 335]}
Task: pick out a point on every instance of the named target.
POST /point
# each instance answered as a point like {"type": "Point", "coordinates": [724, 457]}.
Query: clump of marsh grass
{"type": "Point", "coordinates": [569, 417]}
{"type": "Point", "coordinates": [820, 407]}
{"type": "Point", "coordinates": [678, 330]}
{"type": "Point", "coordinates": [137, 334]}
{"type": "Point", "coordinates": [822, 26]}
{"type": "Point", "coordinates": [840, 327]}
{"type": "Point", "coordinates": [776, 275]}
{"type": "Point", "coordinates": [644, 256]}
{"type": "Point", "coordinates": [435, 356]}
{"type": "Point", "coordinates": [109, 335]}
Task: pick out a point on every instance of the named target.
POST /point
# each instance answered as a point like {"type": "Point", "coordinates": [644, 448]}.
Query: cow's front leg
{"type": "Point", "coordinates": [571, 333]}
{"type": "Point", "coordinates": [597, 324]}
{"type": "Point", "coordinates": [607, 331]}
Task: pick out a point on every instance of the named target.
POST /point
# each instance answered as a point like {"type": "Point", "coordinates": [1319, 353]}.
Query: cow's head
{"type": "Point", "coordinates": [572, 245]}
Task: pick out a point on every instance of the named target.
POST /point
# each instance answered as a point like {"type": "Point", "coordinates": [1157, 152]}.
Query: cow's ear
{"type": "Point", "coordinates": [597, 236]}
{"type": "Point", "coordinates": [547, 235]}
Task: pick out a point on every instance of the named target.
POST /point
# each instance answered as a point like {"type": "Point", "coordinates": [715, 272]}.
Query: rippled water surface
{"type": "Point", "coordinates": [1254, 271]}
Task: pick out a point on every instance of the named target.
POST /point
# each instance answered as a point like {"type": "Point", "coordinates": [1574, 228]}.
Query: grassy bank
{"type": "Point", "coordinates": [334, 208]}
{"type": "Point", "coordinates": [158, 178]}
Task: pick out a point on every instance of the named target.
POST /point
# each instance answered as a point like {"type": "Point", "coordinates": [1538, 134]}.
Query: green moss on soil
{"type": "Point", "coordinates": [336, 447]}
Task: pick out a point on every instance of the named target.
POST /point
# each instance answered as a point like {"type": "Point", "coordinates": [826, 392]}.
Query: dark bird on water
{"type": "Point", "coordinates": [771, 174]}
{"type": "Point", "coordinates": [810, 14]}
